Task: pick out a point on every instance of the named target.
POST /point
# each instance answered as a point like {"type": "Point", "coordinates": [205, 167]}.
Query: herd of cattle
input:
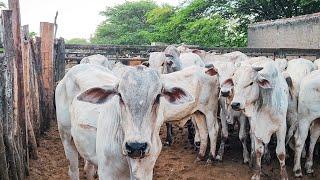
{"type": "Point", "coordinates": [111, 114]}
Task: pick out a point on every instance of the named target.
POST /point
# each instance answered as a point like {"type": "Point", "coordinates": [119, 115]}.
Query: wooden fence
{"type": "Point", "coordinates": [29, 70]}
{"type": "Point", "coordinates": [126, 53]}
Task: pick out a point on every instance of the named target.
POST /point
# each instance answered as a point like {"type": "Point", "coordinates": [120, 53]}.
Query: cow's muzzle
{"type": "Point", "coordinates": [136, 150]}
{"type": "Point", "coordinates": [225, 93]}
{"type": "Point", "coordinates": [236, 106]}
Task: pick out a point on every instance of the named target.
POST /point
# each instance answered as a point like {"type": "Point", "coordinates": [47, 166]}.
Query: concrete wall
{"type": "Point", "coordinates": [297, 32]}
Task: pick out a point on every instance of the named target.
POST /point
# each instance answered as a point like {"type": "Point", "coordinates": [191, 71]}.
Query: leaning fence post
{"type": "Point", "coordinates": [47, 43]}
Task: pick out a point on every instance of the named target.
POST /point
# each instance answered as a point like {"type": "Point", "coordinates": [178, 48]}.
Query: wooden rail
{"type": "Point", "coordinates": [125, 53]}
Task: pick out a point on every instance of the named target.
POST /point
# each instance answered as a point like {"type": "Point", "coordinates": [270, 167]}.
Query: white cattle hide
{"type": "Point", "coordinates": [308, 113]}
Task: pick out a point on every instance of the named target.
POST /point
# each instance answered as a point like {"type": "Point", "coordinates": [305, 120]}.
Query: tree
{"type": "Point", "coordinates": [77, 41]}
{"type": "Point", "coordinates": [195, 22]}
{"type": "Point", "coordinates": [125, 24]}
{"type": "Point", "coordinates": [263, 10]}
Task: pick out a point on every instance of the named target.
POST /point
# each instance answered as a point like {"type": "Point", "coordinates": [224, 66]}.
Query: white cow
{"type": "Point", "coordinates": [121, 116]}
{"type": "Point", "coordinates": [78, 79]}
{"type": "Point", "coordinates": [226, 69]}
{"type": "Point", "coordinates": [262, 92]}
{"type": "Point", "coordinates": [209, 94]}
{"type": "Point", "coordinates": [184, 49]}
{"type": "Point", "coordinates": [208, 57]}
{"type": "Point", "coordinates": [98, 59]}
{"type": "Point", "coordinates": [165, 62]}
{"type": "Point", "coordinates": [317, 63]}
{"type": "Point", "coordinates": [297, 69]}
{"type": "Point", "coordinates": [282, 63]}
{"type": "Point", "coordinates": [190, 59]}
{"type": "Point", "coordinates": [308, 112]}
{"type": "Point", "coordinates": [205, 90]}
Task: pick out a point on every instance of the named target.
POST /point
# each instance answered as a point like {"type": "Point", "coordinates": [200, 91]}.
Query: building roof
{"type": "Point", "coordinates": [288, 21]}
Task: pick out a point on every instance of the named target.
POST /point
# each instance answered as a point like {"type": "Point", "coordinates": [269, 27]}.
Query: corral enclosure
{"type": "Point", "coordinates": [74, 53]}
{"type": "Point", "coordinates": [296, 32]}
{"type": "Point", "coordinates": [31, 67]}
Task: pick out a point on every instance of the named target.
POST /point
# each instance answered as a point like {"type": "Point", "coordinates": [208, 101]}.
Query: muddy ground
{"type": "Point", "coordinates": [175, 162]}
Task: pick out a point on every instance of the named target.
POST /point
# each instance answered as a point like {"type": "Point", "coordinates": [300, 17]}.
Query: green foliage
{"type": "Point", "coordinates": [220, 23]}
{"type": "Point", "coordinates": [125, 24]}
{"type": "Point", "coordinates": [77, 41]}
{"type": "Point", "coordinates": [32, 34]}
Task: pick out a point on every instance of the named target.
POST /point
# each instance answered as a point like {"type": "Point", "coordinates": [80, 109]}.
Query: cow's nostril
{"type": "Point", "coordinates": [136, 150]}
{"type": "Point", "coordinates": [225, 93]}
{"type": "Point", "coordinates": [235, 105]}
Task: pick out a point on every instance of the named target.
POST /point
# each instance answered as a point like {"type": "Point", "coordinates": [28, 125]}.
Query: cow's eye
{"type": "Point", "coordinates": [121, 100]}
{"type": "Point", "coordinates": [157, 100]}
{"type": "Point", "coordinates": [249, 85]}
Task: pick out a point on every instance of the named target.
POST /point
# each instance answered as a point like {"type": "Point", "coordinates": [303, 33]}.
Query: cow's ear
{"type": "Point", "coordinates": [211, 70]}
{"type": "Point", "coordinates": [146, 63]}
{"type": "Point", "coordinates": [228, 83]}
{"type": "Point", "coordinates": [196, 51]}
{"type": "Point", "coordinates": [177, 95]}
{"type": "Point", "coordinates": [263, 82]}
{"type": "Point", "coordinates": [98, 95]}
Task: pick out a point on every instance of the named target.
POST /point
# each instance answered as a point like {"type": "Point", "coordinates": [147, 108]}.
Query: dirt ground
{"type": "Point", "coordinates": [175, 162]}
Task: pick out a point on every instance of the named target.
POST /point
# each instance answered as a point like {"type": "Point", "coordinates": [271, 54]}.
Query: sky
{"type": "Point", "coordinates": [76, 19]}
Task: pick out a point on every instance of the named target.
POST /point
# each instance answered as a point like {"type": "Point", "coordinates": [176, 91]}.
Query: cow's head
{"type": "Point", "coordinates": [248, 82]}
{"type": "Point", "coordinates": [138, 95]}
{"type": "Point", "coordinates": [165, 62]}
{"type": "Point", "coordinates": [225, 71]}
{"type": "Point", "coordinates": [172, 62]}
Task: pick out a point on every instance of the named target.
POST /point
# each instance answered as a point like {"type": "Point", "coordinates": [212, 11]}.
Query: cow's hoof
{"type": "Point", "coordinates": [308, 167]}
{"type": "Point", "coordinates": [200, 158]}
{"type": "Point", "coordinates": [167, 143]}
{"type": "Point", "coordinates": [298, 173]}
{"type": "Point", "coordinates": [197, 144]}
{"type": "Point", "coordinates": [246, 161]}
{"type": "Point", "coordinates": [284, 175]}
{"type": "Point", "coordinates": [210, 160]}
{"type": "Point", "coordinates": [309, 172]}
{"type": "Point", "coordinates": [219, 158]}
{"type": "Point", "coordinates": [255, 177]}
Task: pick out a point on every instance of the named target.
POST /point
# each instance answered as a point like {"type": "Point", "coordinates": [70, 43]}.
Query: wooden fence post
{"type": "Point", "coordinates": [27, 69]}
{"type": "Point", "coordinates": [14, 149]}
{"type": "Point", "coordinates": [19, 100]}
{"type": "Point", "coordinates": [60, 63]}
{"type": "Point", "coordinates": [47, 43]}
{"type": "Point", "coordinates": [36, 85]}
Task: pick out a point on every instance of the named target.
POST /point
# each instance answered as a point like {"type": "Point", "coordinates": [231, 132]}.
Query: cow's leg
{"type": "Point", "coordinates": [197, 139]}
{"type": "Point", "coordinates": [253, 154]}
{"type": "Point", "coordinates": [191, 131]}
{"type": "Point", "coordinates": [281, 152]}
{"type": "Point", "coordinates": [224, 133]}
{"type": "Point", "coordinates": [314, 135]}
{"type": "Point", "coordinates": [300, 138]}
{"type": "Point", "coordinates": [200, 120]}
{"type": "Point", "coordinates": [243, 138]}
{"type": "Point", "coordinates": [213, 129]}
{"type": "Point", "coordinates": [266, 158]}
{"type": "Point", "coordinates": [259, 148]}
{"type": "Point", "coordinates": [90, 170]}
{"type": "Point", "coordinates": [71, 153]}
{"type": "Point", "coordinates": [169, 134]}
